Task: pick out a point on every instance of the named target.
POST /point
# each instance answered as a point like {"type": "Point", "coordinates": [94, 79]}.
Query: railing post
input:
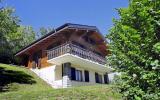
{"type": "Point", "coordinates": [68, 48]}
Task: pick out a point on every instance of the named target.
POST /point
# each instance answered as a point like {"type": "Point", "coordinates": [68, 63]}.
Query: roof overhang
{"type": "Point", "coordinates": [58, 30]}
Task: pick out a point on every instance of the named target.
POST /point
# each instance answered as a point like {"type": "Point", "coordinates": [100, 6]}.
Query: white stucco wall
{"type": "Point", "coordinates": [53, 76]}
{"type": "Point", "coordinates": [58, 73]}
{"type": "Point", "coordinates": [48, 74]}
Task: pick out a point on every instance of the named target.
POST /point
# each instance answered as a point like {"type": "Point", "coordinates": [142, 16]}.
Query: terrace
{"type": "Point", "coordinates": [70, 48]}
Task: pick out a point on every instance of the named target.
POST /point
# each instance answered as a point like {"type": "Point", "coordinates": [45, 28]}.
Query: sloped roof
{"type": "Point", "coordinates": [67, 25]}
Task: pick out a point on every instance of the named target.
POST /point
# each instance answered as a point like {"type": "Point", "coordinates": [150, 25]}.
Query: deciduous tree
{"type": "Point", "coordinates": [135, 49]}
{"type": "Point", "coordinates": [13, 36]}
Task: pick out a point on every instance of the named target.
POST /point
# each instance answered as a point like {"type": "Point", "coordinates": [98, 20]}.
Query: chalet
{"type": "Point", "coordinates": [71, 55]}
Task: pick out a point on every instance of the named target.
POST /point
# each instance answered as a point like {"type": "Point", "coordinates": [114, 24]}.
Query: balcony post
{"type": "Point", "coordinates": [68, 45]}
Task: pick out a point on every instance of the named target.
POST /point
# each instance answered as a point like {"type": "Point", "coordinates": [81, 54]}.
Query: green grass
{"type": "Point", "coordinates": [33, 88]}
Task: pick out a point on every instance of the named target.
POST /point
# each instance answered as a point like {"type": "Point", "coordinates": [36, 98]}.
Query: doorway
{"type": "Point", "coordinates": [37, 59]}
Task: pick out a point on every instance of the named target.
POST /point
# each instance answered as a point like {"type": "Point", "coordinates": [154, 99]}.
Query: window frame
{"type": "Point", "coordinates": [98, 78]}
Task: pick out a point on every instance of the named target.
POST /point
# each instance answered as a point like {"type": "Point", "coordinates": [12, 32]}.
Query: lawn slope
{"type": "Point", "coordinates": [18, 83]}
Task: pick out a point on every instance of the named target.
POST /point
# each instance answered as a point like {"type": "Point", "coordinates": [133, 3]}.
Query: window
{"type": "Point", "coordinates": [53, 45]}
{"type": "Point", "coordinates": [86, 74]}
{"type": "Point", "coordinates": [78, 75]}
{"type": "Point", "coordinates": [89, 40]}
{"type": "Point", "coordinates": [98, 78]}
{"type": "Point", "coordinates": [78, 44]}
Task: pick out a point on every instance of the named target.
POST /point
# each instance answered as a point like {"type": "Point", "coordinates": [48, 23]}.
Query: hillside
{"type": "Point", "coordinates": [17, 83]}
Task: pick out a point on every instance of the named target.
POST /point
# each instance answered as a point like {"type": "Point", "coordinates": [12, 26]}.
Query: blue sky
{"type": "Point", "coordinates": [53, 13]}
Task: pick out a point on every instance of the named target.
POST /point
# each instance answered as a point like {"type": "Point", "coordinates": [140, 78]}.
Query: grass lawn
{"type": "Point", "coordinates": [18, 83]}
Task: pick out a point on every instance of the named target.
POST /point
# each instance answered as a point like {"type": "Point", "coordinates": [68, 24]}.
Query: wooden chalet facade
{"type": "Point", "coordinates": [71, 55]}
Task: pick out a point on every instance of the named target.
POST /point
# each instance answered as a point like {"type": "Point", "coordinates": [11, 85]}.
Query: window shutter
{"type": "Point", "coordinates": [100, 78]}
{"type": "Point", "coordinates": [106, 80]}
{"type": "Point", "coordinates": [96, 78]}
{"type": "Point", "coordinates": [86, 73]}
{"type": "Point", "coordinates": [81, 77]}
{"type": "Point", "coordinates": [73, 74]}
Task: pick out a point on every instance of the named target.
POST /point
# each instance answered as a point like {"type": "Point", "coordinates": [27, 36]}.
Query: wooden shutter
{"type": "Point", "coordinates": [86, 73]}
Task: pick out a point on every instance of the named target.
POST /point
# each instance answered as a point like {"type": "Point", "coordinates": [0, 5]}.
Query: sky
{"type": "Point", "coordinates": [54, 13]}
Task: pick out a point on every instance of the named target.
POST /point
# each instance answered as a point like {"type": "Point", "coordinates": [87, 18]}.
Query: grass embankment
{"type": "Point", "coordinates": [18, 83]}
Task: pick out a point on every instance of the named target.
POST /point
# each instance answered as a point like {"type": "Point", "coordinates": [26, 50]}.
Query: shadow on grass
{"type": "Point", "coordinates": [9, 76]}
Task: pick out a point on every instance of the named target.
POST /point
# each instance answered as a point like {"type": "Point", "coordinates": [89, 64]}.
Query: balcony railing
{"type": "Point", "coordinates": [75, 50]}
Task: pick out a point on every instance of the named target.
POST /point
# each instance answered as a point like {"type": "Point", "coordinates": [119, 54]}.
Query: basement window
{"type": "Point", "coordinates": [76, 74]}
{"type": "Point", "coordinates": [98, 78]}
{"type": "Point", "coordinates": [79, 75]}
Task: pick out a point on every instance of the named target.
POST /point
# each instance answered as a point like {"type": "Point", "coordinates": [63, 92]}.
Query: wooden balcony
{"type": "Point", "coordinates": [75, 50]}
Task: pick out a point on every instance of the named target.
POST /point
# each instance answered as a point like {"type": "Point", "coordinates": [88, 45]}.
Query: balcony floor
{"type": "Point", "coordinates": [76, 60]}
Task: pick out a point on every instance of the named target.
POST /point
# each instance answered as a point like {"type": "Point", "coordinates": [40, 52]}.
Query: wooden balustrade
{"type": "Point", "coordinates": [75, 50]}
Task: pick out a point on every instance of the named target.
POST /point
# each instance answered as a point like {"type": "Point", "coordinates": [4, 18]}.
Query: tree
{"type": "Point", "coordinates": [8, 25]}
{"type": "Point", "coordinates": [13, 36]}
{"type": "Point", "coordinates": [43, 31]}
{"type": "Point", "coordinates": [22, 37]}
{"type": "Point", "coordinates": [135, 49]}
